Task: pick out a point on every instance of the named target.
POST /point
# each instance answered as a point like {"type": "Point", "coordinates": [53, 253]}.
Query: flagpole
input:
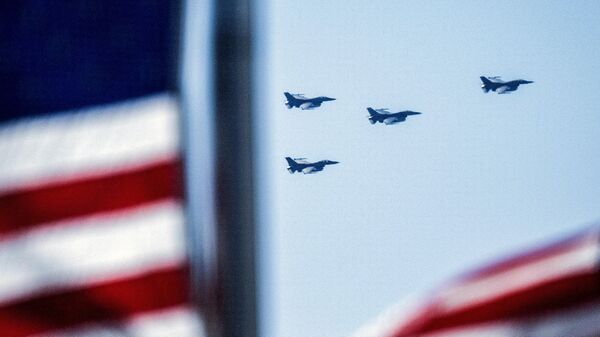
{"type": "Point", "coordinates": [234, 173]}
{"type": "Point", "coordinates": [215, 79]}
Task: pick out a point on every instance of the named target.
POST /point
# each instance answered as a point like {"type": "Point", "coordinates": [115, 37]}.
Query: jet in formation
{"type": "Point", "coordinates": [387, 117]}
{"type": "Point", "coordinates": [301, 165]}
{"type": "Point", "coordinates": [499, 86]}
{"type": "Point", "coordinates": [304, 103]}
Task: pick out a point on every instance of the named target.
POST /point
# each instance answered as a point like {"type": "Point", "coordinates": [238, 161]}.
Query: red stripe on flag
{"type": "Point", "coordinates": [109, 302]}
{"type": "Point", "coordinates": [22, 209]}
{"type": "Point", "coordinates": [542, 299]}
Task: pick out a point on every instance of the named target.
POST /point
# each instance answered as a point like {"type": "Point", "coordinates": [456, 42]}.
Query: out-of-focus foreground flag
{"type": "Point", "coordinates": [553, 291]}
{"type": "Point", "coordinates": [91, 189]}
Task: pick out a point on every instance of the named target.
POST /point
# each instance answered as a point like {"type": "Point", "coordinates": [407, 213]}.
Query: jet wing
{"type": "Point", "coordinates": [505, 89]}
{"type": "Point", "coordinates": [392, 120]}
{"type": "Point", "coordinates": [312, 169]}
{"type": "Point", "coordinates": [308, 106]}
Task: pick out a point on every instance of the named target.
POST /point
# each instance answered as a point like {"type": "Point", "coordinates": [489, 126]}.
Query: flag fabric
{"type": "Point", "coordinates": [550, 291]}
{"type": "Point", "coordinates": [92, 222]}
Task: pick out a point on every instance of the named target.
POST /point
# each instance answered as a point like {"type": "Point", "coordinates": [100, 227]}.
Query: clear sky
{"type": "Point", "coordinates": [474, 178]}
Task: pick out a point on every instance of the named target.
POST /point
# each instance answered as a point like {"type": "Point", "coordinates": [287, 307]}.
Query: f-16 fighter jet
{"type": "Point", "coordinates": [300, 101]}
{"type": "Point", "coordinates": [387, 117]}
{"type": "Point", "coordinates": [499, 86]}
{"type": "Point", "coordinates": [301, 165]}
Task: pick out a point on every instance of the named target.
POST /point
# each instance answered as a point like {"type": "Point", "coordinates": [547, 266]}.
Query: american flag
{"type": "Point", "coordinates": [92, 223]}
{"type": "Point", "coordinates": [550, 291]}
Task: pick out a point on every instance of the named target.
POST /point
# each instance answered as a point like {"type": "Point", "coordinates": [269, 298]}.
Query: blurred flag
{"type": "Point", "coordinates": [92, 236]}
{"type": "Point", "coordinates": [552, 291]}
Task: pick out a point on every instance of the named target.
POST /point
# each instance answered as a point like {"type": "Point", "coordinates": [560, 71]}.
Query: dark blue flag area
{"type": "Point", "coordinates": [61, 55]}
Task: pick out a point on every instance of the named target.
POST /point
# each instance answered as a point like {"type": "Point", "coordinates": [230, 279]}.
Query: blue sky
{"type": "Point", "coordinates": [472, 179]}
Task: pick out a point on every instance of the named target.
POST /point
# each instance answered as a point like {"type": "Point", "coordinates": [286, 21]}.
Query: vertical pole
{"type": "Point", "coordinates": [237, 308]}
{"type": "Point", "coordinates": [216, 101]}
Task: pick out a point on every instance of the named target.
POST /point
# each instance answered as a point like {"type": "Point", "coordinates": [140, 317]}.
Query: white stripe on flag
{"type": "Point", "coordinates": [90, 140]}
{"type": "Point", "coordinates": [83, 251]}
{"type": "Point", "coordinates": [581, 258]}
{"type": "Point", "coordinates": [180, 322]}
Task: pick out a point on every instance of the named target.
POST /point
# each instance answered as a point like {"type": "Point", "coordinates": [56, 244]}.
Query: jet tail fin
{"type": "Point", "coordinates": [485, 80]}
{"type": "Point", "coordinates": [293, 165]}
{"type": "Point", "coordinates": [291, 100]}
{"type": "Point", "coordinates": [289, 96]}
{"type": "Point", "coordinates": [290, 161]}
{"type": "Point", "coordinates": [372, 111]}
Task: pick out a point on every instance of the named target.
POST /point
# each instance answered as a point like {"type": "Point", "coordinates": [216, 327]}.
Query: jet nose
{"type": "Point", "coordinates": [333, 162]}
{"type": "Point", "coordinates": [330, 98]}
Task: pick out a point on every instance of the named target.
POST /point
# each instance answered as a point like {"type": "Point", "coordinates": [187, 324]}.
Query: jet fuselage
{"type": "Point", "coordinates": [382, 116]}
{"type": "Point", "coordinates": [296, 165]}
{"type": "Point", "coordinates": [297, 101]}
{"type": "Point", "coordinates": [501, 87]}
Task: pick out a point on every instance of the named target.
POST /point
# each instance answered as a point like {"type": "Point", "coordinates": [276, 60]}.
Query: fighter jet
{"type": "Point", "coordinates": [300, 101]}
{"type": "Point", "coordinates": [386, 117]}
{"type": "Point", "coordinates": [499, 86]}
{"type": "Point", "coordinates": [301, 165]}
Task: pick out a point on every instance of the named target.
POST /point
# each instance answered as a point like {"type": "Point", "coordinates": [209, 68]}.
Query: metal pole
{"type": "Point", "coordinates": [216, 102]}
{"type": "Point", "coordinates": [236, 269]}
